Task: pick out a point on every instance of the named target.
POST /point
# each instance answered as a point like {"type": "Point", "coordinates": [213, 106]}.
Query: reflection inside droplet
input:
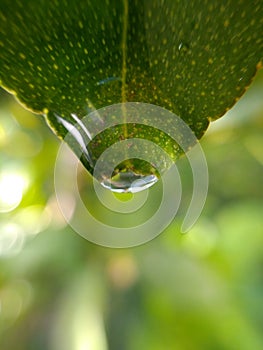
{"type": "Point", "coordinates": [129, 182]}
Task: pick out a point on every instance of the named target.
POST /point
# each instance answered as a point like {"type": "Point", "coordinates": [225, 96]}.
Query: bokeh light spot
{"type": "Point", "coordinates": [12, 186]}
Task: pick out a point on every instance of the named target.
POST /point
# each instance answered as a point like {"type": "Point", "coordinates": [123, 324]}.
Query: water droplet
{"type": "Point", "coordinates": [183, 47]}
{"type": "Point", "coordinates": [129, 182]}
{"type": "Point", "coordinates": [108, 80]}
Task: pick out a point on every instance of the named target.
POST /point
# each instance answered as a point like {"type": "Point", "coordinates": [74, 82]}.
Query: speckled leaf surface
{"type": "Point", "coordinates": [194, 58]}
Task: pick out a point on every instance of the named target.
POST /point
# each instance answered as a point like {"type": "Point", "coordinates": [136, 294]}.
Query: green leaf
{"type": "Point", "coordinates": [64, 57]}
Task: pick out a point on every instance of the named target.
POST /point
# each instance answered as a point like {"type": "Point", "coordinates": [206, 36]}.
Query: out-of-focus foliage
{"type": "Point", "coordinates": [202, 290]}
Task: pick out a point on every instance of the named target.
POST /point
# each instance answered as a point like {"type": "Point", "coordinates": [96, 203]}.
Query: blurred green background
{"type": "Point", "coordinates": [201, 290]}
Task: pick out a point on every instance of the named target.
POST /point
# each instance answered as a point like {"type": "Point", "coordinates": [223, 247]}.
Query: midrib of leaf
{"type": "Point", "coordinates": [124, 64]}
